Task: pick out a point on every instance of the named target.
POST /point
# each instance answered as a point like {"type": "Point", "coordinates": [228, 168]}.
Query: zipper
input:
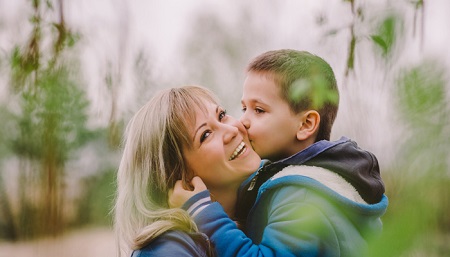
{"type": "Point", "coordinates": [252, 183]}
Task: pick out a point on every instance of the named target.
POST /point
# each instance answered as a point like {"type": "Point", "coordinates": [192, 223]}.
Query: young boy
{"type": "Point", "coordinates": [313, 197]}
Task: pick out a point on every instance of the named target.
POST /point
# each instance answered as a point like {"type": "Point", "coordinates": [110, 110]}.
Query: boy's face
{"type": "Point", "coordinates": [271, 125]}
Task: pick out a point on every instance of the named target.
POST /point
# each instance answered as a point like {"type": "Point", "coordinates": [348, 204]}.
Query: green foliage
{"type": "Point", "coordinates": [422, 95]}
{"type": "Point", "coordinates": [21, 68]}
{"type": "Point", "coordinates": [386, 34]}
{"type": "Point", "coordinates": [419, 188]}
{"type": "Point", "coordinates": [410, 217]}
{"type": "Point", "coordinates": [351, 55]}
{"type": "Point", "coordinates": [426, 113]}
{"type": "Point", "coordinates": [418, 4]}
{"type": "Point", "coordinates": [7, 228]}
{"type": "Point", "coordinates": [97, 199]}
{"type": "Point", "coordinates": [6, 131]}
{"type": "Point", "coordinates": [53, 116]}
{"type": "Point", "coordinates": [316, 88]}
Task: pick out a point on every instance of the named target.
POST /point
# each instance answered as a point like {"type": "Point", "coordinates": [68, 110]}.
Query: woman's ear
{"type": "Point", "coordinates": [309, 125]}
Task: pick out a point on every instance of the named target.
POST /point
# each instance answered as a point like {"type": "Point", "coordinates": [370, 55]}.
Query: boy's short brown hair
{"type": "Point", "coordinates": [306, 82]}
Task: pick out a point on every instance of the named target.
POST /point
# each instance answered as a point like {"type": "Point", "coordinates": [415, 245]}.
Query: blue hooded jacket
{"type": "Point", "coordinates": [302, 210]}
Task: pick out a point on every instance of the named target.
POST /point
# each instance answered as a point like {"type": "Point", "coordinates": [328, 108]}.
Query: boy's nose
{"type": "Point", "coordinates": [236, 123]}
{"type": "Point", "coordinates": [245, 121]}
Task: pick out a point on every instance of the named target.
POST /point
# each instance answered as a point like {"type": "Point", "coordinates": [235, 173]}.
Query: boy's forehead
{"type": "Point", "coordinates": [269, 75]}
{"type": "Point", "coordinates": [261, 83]}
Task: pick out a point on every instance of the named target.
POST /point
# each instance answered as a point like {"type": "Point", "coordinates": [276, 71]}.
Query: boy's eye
{"type": "Point", "coordinates": [204, 135]}
{"type": "Point", "coordinates": [259, 110]}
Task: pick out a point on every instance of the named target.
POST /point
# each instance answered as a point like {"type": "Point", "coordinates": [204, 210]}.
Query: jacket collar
{"type": "Point", "coordinates": [311, 151]}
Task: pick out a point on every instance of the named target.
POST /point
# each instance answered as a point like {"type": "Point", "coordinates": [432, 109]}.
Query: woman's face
{"type": "Point", "coordinates": [221, 154]}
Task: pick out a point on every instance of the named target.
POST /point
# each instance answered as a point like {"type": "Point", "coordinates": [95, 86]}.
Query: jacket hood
{"type": "Point", "coordinates": [323, 184]}
{"type": "Point", "coordinates": [357, 166]}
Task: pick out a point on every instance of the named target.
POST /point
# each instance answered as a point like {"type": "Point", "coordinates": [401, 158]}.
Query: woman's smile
{"type": "Point", "coordinates": [239, 150]}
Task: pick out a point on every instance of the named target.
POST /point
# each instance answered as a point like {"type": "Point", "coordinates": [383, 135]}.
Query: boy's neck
{"type": "Point", "coordinates": [294, 149]}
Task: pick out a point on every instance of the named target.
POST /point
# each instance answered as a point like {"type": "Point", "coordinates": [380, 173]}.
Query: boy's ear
{"type": "Point", "coordinates": [310, 121]}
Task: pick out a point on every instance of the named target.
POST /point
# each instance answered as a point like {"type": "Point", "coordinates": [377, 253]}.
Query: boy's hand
{"type": "Point", "coordinates": [178, 195]}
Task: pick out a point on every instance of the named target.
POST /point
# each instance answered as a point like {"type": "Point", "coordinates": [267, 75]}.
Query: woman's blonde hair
{"type": "Point", "coordinates": [152, 162]}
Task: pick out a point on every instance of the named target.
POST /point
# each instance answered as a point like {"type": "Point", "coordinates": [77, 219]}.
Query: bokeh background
{"type": "Point", "coordinates": [72, 72]}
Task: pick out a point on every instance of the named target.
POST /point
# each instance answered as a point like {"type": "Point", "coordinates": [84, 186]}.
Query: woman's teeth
{"type": "Point", "coordinates": [238, 151]}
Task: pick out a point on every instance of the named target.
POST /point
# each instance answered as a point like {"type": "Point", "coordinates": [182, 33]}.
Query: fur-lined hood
{"type": "Point", "coordinates": [328, 178]}
{"type": "Point", "coordinates": [357, 166]}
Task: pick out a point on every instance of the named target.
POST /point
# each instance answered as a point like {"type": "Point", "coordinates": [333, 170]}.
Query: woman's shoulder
{"type": "Point", "coordinates": [175, 243]}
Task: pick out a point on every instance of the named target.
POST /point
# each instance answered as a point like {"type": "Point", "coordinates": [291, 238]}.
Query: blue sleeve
{"type": "Point", "coordinates": [197, 203]}
{"type": "Point", "coordinates": [293, 228]}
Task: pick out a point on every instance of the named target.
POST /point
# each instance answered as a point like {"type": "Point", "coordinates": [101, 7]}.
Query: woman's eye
{"type": "Point", "coordinates": [244, 109]}
{"type": "Point", "coordinates": [205, 135]}
{"type": "Point", "coordinates": [222, 114]}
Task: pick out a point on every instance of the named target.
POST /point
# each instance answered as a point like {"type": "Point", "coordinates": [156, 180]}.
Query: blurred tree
{"type": "Point", "coordinates": [8, 225]}
{"type": "Point", "coordinates": [97, 200]}
{"type": "Point", "coordinates": [51, 121]}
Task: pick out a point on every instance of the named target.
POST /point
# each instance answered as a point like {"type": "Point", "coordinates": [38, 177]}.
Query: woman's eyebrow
{"type": "Point", "coordinates": [195, 133]}
{"type": "Point", "coordinates": [203, 124]}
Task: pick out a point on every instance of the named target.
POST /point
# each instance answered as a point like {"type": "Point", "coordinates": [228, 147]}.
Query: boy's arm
{"type": "Point", "coordinates": [292, 227]}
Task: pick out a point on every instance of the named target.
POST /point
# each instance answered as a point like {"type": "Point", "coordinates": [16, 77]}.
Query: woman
{"type": "Point", "coordinates": [179, 134]}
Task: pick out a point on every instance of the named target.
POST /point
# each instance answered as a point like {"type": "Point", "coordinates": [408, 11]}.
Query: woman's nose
{"type": "Point", "coordinates": [230, 132]}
